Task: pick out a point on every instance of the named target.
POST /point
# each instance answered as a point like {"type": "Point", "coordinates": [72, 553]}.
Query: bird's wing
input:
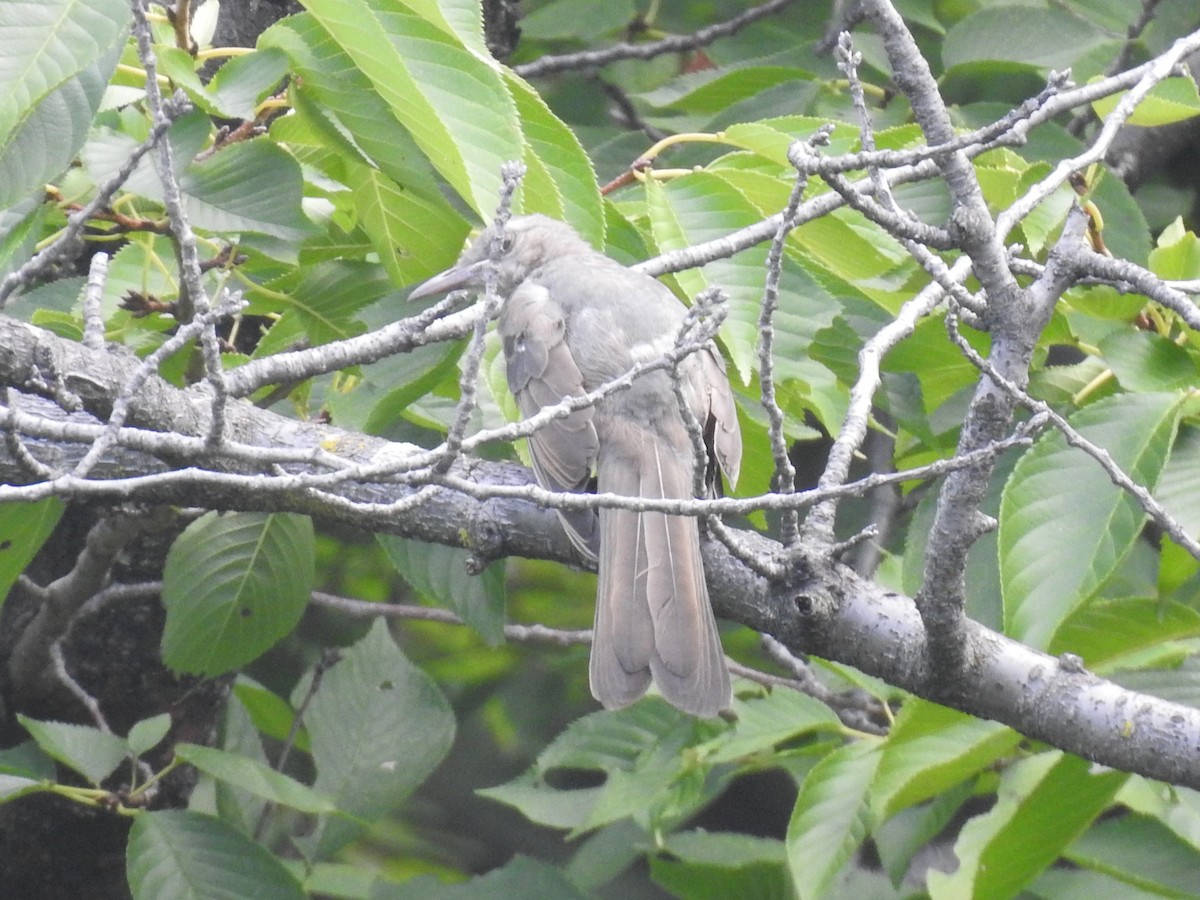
{"type": "Point", "coordinates": [541, 372]}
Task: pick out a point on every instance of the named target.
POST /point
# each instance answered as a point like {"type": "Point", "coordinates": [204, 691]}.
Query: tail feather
{"type": "Point", "coordinates": [653, 616]}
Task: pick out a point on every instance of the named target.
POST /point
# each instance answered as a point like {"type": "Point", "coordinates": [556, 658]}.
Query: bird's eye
{"type": "Point", "coordinates": [506, 242]}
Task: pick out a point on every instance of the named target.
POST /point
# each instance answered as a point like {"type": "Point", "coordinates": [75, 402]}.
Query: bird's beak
{"type": "Point", "coordinates": [454, 278]}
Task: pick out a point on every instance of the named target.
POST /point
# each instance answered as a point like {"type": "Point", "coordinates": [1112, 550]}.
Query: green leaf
{"type": "Point", "coordinates": [831, 818]}
{"type": "Point", "coordinates": [929, 750]}
{"type": "Point", "coordinates": [903, 837]}
{"type": "Point", "coordinates": [1147, 362]}
{"type": "Point", "coordinates": [702, 865]}
{"type": "Point", "coordinates": [24, 528]}
{"type": "Point", "coordinates": [576, 20]}
{"type": "Point", "coordinates": [93, 753]}
{"type": "Point", "coordinates": [1120, 634]}
{"type": "Point", "coordinates": [1178, 808]}
{"type": "Point", "coordinates": [146, 734]}
{"type": "Point", "coordinates": [251, 186]}
{"type": "Point", "coordinates": [772, 138]}
{"type": "Point", "coordinates": [270, 713]}
{"type": "Point", "coordinates": [702, 206]}
{"type": "Point", "coordinates": [1177, 255]}
{"type": "Point", "coordinates": [576, 198]}
{"type": "Point", "coordinates": [27, 760]}
{"type": "Point", "coordinates": [189, 856]}
{"type": "Point", "coordinates": [234, 806]}
{"type": "Point", "coordinates": [13, 787]}
{"type": "Point", "coordinates": [386, 390]}
{"type": "Point", "coordinates": [254, 777]}
{"type": "Point", "coordinates": [1042, 805]}
{"type": "Point", "coordinates": [439, 573]}
{"type": "Point", "coordinates": [520, 878]}
{"type": "Point", "coordinates": [245, 81]}
{"type": "Point", "coordinates": [1172, 100]}
{"type": "Point", "coordinates": [233, 585]}
{"type": "Point", "coordinates": [453, 103]}
{"type": "Point", "coordinates": [58, 57]}
{"type": "Point", "coordinates": [763, 722]}
{"type": "Point", "coordinates": [1139, 852]}
{"type": "Point", "coordinates": [20, 228]}
{"type": "Point", "coordinates": [712, 91]}
{"type": "Point", "coordinates": [611, 743]}
{"type": "Point", "coordinates": [1176, 488]}
{"type": "Point", "coordinates": [937, 362]}
{"type": "Point", "coordinates": [322, 300]}
{"type": "Point", "coordinates": [1064, 526]}
{"type": "Point", "coordinates": [339, 110]}
{"type": "Point", "coordinates": [1047, 38]}
{"type": "Point", "coordinates": [411, 232]}
{"type": "Point", "coordinates": [378, 727]}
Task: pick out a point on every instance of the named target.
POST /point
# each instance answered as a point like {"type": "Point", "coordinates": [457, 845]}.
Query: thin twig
{"type": "Point", "coordinates": [594, 59]}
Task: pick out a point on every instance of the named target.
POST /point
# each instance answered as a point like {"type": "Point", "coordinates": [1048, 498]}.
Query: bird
{"type": "Point", "coordinates": [571, 320]}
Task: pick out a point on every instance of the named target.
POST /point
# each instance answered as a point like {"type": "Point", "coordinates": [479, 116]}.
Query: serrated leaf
{"type": "Point", "coordinates": [411, 232]}
{"type": "Point", "coordinates": [146, 734]}
{"type": "Point", "coordinates": [938, 364]}
{"type": "Point", "coordinates": [703, 865]}
{"type": "Point", "coordinates": [239, 808]}
{"type": "Point", "coordinates": [765, 721]}
{"type": "Point", "coordinates": [1064, 526]}
{"type": "Point", "coordinates": [341, 111]}
{"type": "Point", "coordinates": [1177, 255]}
{"type": "Point", "coordinates": [234, 585]}
{"type": "Point", "coordinates": [1115, 634]}
{"type": "Point", "coordinates": [831, 818]}
{"type": "Point", "coordinates": [58, 57]}
{"type": "Point", "coordinates": [1169, 101]}
{"type": "Point", "coordinates": [1042, 805]}
{"type": "Point", "coordinates": [576, 197]}
{"type": "Point", "coordinates": [521, 878]}
{"type": "Point", "coordinates": [904, 835]}
{"type": "Point", "coordinates": [453, 103]}
{"type": "Point", "coordinates": [24, 528]}
{"type": "Point", "coordinates": [251, 186]}
{"type": "Point", "coordinates": [440, 574]}
{"type": "Point", "coordinates": [378, 726]}
{"type": "Point", "coordinates": [20, 227]}
{"type": "Point", "coordinates": [929, 750]}
{"type": "Point", "coordinates": [1050, 38]}
{"type": "Point", "coordinates": [702, 206]}
{"type": "Point", "coordinates": [1141, 853]}
{"type": "Point", "coordinates": [1177, 808]}
{"type": "Point", "coordinates": [712, 91]}
{"type": "Point", "coordinates": [772, 138]}
{"type": "Point", "coordinates": [1147, 362]}
{"type": "Point", "coordinates": [27, 760]}
{"type": "Point", "coordinates": [255, 777]}
{"type": "Point", "coordinates": [322, 300]}
{"type": "Point", "coordinates": [93, 753]}
{"type": "Point", "coordinates": [270, 713]}
{"type": "Point", "coordinates": [607, 742]}
{"type": "Point", "coordinates": [244, 81]}
{"type": "Point", "coordinates": [189, 856]}
{"type": "Point", "coordinates": [1176, 488]}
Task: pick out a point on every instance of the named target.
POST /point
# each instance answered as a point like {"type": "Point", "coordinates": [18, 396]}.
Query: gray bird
{"type": "Point", "coordinates": [572, 320]}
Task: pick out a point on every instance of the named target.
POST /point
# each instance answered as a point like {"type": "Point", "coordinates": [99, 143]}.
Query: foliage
{"type": "Point", "coordinates": [346, 157]}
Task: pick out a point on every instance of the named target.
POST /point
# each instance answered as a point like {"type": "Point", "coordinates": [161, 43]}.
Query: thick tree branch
{"type": "Point", "coordinates": [832, 612]}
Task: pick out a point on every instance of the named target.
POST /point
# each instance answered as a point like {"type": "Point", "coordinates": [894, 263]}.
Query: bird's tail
{"type": "Point", "coordinates": [653, 616]}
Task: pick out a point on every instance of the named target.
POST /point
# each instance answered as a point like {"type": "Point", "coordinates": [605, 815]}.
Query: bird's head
{"type": "Point", "coordinates": [518, 248]}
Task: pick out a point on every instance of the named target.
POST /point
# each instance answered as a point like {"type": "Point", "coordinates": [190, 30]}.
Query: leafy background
{"type": "Point", "coordinates": [429, 753]}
